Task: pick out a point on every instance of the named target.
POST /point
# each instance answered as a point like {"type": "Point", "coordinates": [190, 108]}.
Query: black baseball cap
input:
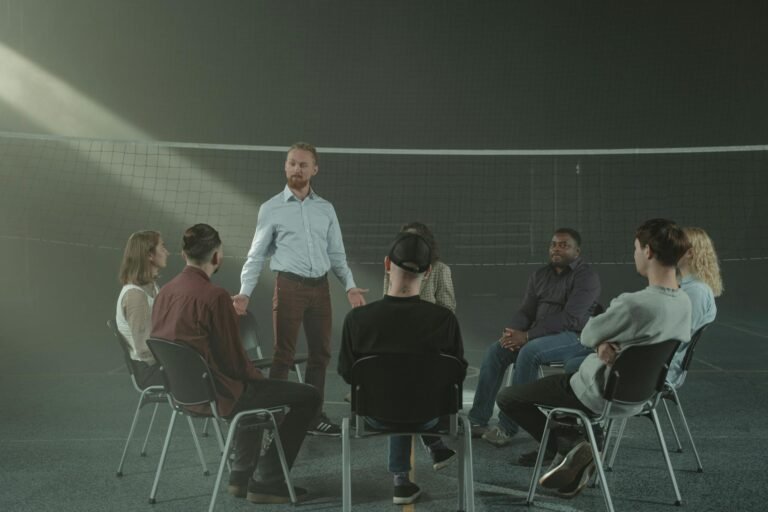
{"type": "Point", "coordinates": [411, 252]}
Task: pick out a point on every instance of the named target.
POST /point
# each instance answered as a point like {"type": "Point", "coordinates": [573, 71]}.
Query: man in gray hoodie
{"type": "Point", "coordinates": [657, 313]}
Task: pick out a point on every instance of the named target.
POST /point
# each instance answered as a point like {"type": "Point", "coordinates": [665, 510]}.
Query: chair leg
{"type": "Point", "coordinates": [346, 470]}
{"type": "Point", "coordinates": [672, 425]}
{"type": "Point", "coordinates": [299, 375]}
{"type": "Point", "coordinates": [699, 468]}
{"type": "Point", "coordinates": [598, 458]}
{"type": "Point", "coordinates": [660, 435]}
{"type": "Point", "coordinates": [467, 469]}
{"type": "Point", "coordinates": [283, 461]}
{"type": "Point", "coordinates": [149, 429]}
{"type": "Point", "coordinates": [130, 435]}
{"type": "Point", "coordinates": [220, 439]}
{"type": "Point", "coordinates": [224, 461]}
{"type": "Point", "coordinates": [539, 461]}
{"type": "Point", "coordinates": [204, 432]}
{"type": "Point", "coordinates": [619, 435]}
{"type": "Point", "coordinates": [197, 446]}
{"type": "Point", "coordinates": [161, 462]}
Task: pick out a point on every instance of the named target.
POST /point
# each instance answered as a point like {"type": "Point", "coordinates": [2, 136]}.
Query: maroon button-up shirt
{"type": "Point", "coordinates": [191, 309]}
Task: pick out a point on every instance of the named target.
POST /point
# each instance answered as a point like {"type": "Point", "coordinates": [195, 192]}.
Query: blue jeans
{"type": "Point", "coordinates": [400, 446]}
{"type": "Point", "coordinates": [546, 349]}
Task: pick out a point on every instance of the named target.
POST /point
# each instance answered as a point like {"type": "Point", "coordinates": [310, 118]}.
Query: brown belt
{"type": "Point", "coordinates": [307, 281]}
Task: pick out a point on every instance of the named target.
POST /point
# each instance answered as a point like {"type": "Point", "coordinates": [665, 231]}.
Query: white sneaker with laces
{"type": "Point", "coordinates": [497, 437]}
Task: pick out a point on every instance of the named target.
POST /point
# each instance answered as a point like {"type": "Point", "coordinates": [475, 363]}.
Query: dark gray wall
{"type": "Point", "coordinates": [441, 74]}
{"type": "Point", "coordinates": [387, 74]}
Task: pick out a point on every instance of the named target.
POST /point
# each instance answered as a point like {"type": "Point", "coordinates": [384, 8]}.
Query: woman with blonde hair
{"type": "Point", "coordinates": [700, 279]}
{"type": "Point", "coordinates": [144, 256]}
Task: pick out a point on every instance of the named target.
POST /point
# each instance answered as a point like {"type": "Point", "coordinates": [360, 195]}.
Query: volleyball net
{"type": "Point", "coordinates": [485, 207]}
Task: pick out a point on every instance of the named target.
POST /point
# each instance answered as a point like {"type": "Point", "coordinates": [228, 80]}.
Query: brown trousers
{"type": "Point", "coordinates": [294, 304]}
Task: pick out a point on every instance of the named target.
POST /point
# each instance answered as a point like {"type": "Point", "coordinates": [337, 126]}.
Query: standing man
{"type": "Point", "coordinates": [299, 230]}
{"type": "Point", "coordinates": [403, 323]}
{"type": "Point", "coordinates": [192, 310]}
{"type": "Point", "coordinates": [660, 312]}
{"type": "Point", "coordinates": [558, 301]}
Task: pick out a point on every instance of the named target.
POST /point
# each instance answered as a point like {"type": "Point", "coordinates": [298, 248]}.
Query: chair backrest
{"type": "Point", "coordinates": [406, 388]}
{"type": "Point", "coordinates": [688, 357]}
{"type": "Point", "coordinates": [639, 372]}
{"type": "Point", "coordinates": [129, 363]}
{"type": "Point", "coordinates": [249, 334]}
{"type": "Point", "coordinates": [187, 378]}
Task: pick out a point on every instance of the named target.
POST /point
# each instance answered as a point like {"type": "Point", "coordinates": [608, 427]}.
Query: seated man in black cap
{"type": "Point", "coordinates": [402, 323]}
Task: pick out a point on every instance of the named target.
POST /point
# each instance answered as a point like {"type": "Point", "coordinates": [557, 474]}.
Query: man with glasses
{"type": "Point", "coordinates": [559, 299]}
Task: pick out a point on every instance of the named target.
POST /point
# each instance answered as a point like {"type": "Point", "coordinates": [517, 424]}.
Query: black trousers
{"type": "Point", "coordinates": [518, 402]}
{"type": "Point", "coordinates": [304, 402]}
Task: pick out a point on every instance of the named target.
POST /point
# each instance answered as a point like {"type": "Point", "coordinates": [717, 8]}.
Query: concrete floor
{"type": "Point", "coordinates": [63, 430]}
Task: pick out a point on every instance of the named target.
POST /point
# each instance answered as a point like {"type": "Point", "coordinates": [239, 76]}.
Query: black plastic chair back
{"type": "Point", "coordinates": [639, 372]}
{"type": "Point", "coordinates": [129, 363]}
{"type": "Point", "coordinates": [688, 358]}
{"type": "Point", "coordinates": [407, 388]}
{"type": "Point", "coordinates": [186, 374]}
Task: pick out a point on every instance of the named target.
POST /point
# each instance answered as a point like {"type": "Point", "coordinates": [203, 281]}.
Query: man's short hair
{"type": "Point", "coordinates": [411, 252]}
{"type": "Point", "coordinates": [665, 238]}
{"type": "Point", "coordinates": [200, 242]}
{"type": "Point", "coordinates": [570, 232]}
{"type": "Point", "coordinates": [305, 146]}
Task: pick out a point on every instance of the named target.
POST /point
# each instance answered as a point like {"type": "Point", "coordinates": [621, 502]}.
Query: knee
{"type": "Point", "coordinates": [509, 399]}
{"type": "Point", "coordinates": [496, 355]}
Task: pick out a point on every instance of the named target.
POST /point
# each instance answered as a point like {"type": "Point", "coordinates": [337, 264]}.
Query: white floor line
{"type": "Point", "coordinates": [539, 502]}
{"type": "Point", "coordinates": [748, 331]}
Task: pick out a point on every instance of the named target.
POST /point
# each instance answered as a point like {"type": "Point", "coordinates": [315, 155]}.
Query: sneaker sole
{"type": "Point", "coordinates": [269, 499]}
{"type": "Point", "coordinates": [568, 471]}
{"type": "Point", "coordinates": [437, 466]}
{"type": "Point", "coordinates": [238, 491]}
{"type": "Point", "coordinates": [497, 444]}
{"type": "Point", "coordinates": [406, 500]}
{"type": "Point", "coordinates": [323, 434]}
{"type": "Point", "coordinates": [586, 475]}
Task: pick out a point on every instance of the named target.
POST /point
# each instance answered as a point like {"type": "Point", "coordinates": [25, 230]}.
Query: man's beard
{"type": "Point", "coordinates": [297, 181]}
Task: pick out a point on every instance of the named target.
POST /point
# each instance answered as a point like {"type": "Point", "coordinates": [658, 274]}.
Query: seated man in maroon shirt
{"type": "Point", "coordinates": [192, 310]}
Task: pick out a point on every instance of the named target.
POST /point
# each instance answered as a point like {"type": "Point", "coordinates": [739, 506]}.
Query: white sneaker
{"type": "Point", "coordinates": [497, 437]}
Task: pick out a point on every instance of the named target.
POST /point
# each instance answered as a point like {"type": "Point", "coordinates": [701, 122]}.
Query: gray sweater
{"type": "Point", "coordinates": [652, 315]}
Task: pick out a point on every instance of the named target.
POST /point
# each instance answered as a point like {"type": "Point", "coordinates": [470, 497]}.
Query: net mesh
{"type": "Point", "coordinates": [486, 208]}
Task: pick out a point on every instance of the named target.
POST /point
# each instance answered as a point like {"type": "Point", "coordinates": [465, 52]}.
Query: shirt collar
{"type": "Point", "coordinates": [572, 265]}
{"type": "Point", "coordinates": [687, 279]}
{"type": "Point", "coordinates": [288, 195]}
{"type": "Point", "coordinates": [189, 269]}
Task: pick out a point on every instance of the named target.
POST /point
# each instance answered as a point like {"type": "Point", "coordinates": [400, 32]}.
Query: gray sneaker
{"type": "Point", "coordinates": [497, 437]}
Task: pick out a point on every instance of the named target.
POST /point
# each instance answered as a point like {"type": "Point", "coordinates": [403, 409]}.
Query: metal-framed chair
{"type": "Point", "coordinates": [406, 390]}
{"type": "Point", "coordinates": [636, 378]}
{"type": "Point", "coordinates": [670, 394]}
{"type": "Point", "coordinates": [147, 395]}
{"type": "Point", "coordinates": [189, 382]}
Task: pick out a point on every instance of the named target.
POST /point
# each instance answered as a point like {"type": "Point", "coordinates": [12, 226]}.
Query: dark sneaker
{"type": "Point", "coordinates": [574, 489]}
{"type": "Point", "coordinates": [528, 459]}
{"type": "Point", "coordinates": [324, 427]}
{"type": "Point", "coordinates": [406, 493]}
{"type": "Point", "coordinates": [441, 457]}
{"type": "Point", "coordinates": [238, 482]}
{"type": "Point", "coordinates": [567, 474]}
{"type": "Point", "coordinates": [272, 493]}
